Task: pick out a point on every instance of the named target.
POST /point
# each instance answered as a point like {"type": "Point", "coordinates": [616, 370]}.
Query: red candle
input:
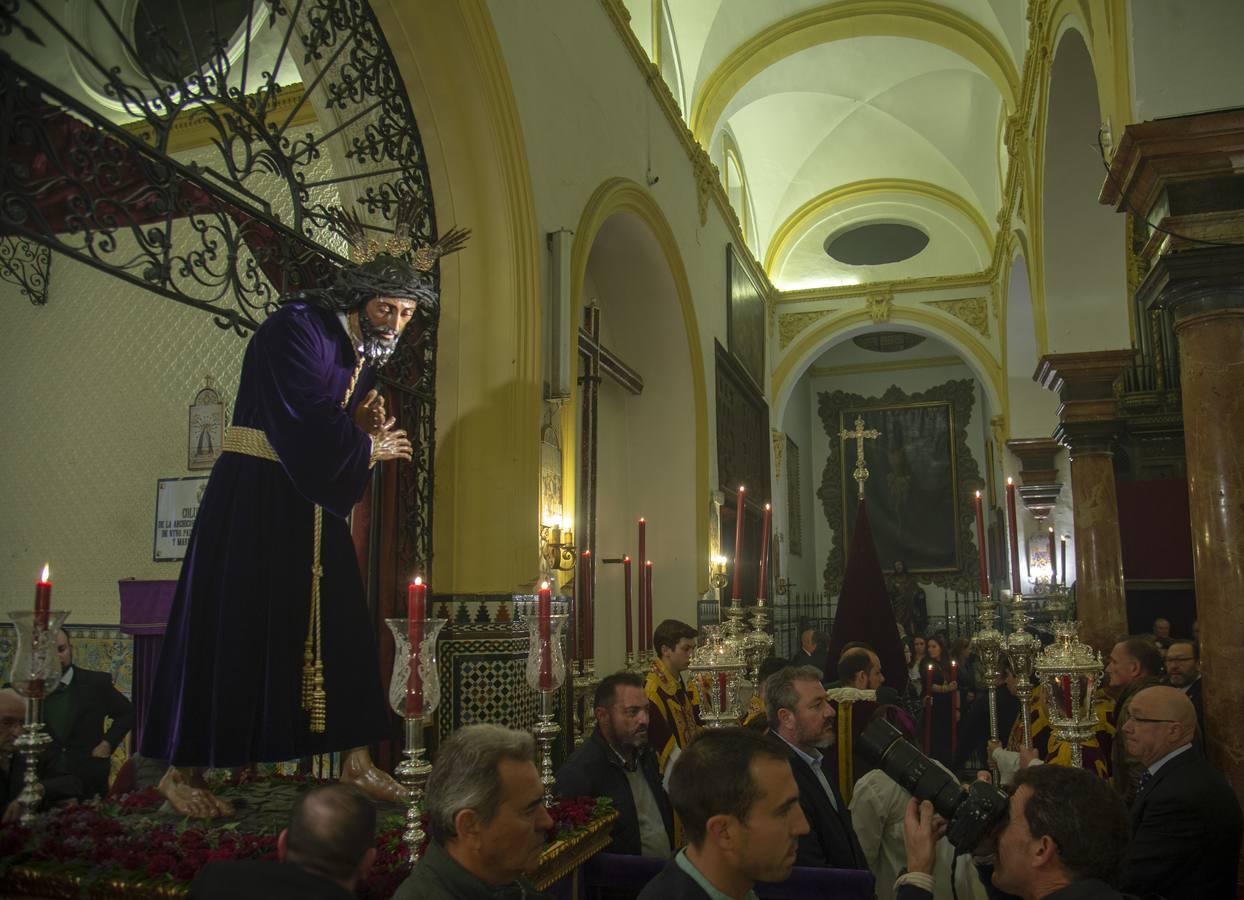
{"type": "Point", "coordinates": [43, 598]}
{"type": "Point", "coordinates": [645, 639]}
{"type": "Point", "coordinates": [645, 626]}
{"type": "Point", "coordinates": [1010, 518]}
{"type": "Point", "coordinates": [1063, 561]}
{"type": "Point", "coordinates": [416, 613]}
{"type": "Point", "coordinates": [761, 591]}
{"type": "Point", "coordinates": [1053, 565]}
{"type": "Point", "coordinates": [588, 645]}
{"type": "Point", "coordinates": [1066, 686]}
{"type": "Point", "coordinates": [736, 594]}
{"type": "Point", "coordinates": [980, 547]}
{"type": "Point", "coordinates": [721, 690]}
{"type": "Point", "coordinates": [954, 708]}
{"type": "Point", "coordinates": [544, 612]}
{"type": "Point", "coordinates": [928, 710]}
{"type": "Point", "coordinates": [626, 581]}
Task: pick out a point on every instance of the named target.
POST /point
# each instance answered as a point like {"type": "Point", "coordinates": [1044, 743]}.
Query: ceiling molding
{"type": "Point", "coordinates": [807, 215]}
{"type": "Point", "coordinates": [919, 20]}
{"type": "Point", "coordinates": [901, 286]}
{"type": "Point", "coordinates": [791, 324]}
{"type": "Point", "coordinates": [973, 311]}
{"type": "Point", "coordinates": [928, 362]}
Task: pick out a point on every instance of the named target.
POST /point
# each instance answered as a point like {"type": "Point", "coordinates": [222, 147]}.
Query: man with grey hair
{"type": "Point", "coordinates": [802, 723]}
{"type": "Point", "coordinates": [486, 819]}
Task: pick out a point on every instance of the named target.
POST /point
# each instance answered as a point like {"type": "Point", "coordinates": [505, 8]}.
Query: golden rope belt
{"type": "Point", "coordinates": [253, 442]}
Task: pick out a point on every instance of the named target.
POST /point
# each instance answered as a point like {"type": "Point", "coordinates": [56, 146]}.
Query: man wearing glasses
{"type": "Point", "coordinates": [1186, 823]}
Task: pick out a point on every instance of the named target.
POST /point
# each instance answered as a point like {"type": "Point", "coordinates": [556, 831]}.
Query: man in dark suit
{"type": "Point", "coordinates": [801, 722]}
{"type": "Point", "coordinates": [328, 848]}
{"type": "Point", "coordinates": [1186, 822]}
{"type": "Point", "coordinates": [12, 716]}
{"type": "Point", "coordinates": [617, 762]}
{"type": "Point", "coordinates": [739, 806]}
{"type": "Point", "coordinates": [1183, 670]}
{"type": "Point", "coordinates": [813, 649]}
{"type": "Point", "coordinates": [74, 714]}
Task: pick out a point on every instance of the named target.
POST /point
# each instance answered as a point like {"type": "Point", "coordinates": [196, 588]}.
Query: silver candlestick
{"type": "Point", "coordinates": [413, 772]}
{"type": "Point", "coordinates": [1022, 649]}
{"type": "Point", "coordinates": [546, 731]}
{"type": "Point", "coordinates": [988, 644]}
{"type": "Point", "coordinates": [34, 674]}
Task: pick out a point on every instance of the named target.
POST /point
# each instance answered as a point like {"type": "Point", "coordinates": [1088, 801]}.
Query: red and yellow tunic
{"type": "Point", "coordinates": [1051, 750]}
{"type": "Point", "coordinates": [673, 719]}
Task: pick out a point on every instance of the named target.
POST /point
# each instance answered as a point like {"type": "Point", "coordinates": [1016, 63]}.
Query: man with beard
{"type": "Point", "coordinates": [1133, 665]}
{"type": "Point", "coordinates": [616, 762]}
{"type": "Point", "coordinates": [802, 723]}
{"type": "Point", "coordinates": [269, 653]}
{"type": "Point", "coordinates": [1183, 671]}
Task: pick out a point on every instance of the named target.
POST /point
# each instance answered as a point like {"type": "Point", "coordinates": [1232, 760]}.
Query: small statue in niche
{"type": "Point", "coordinates": [207, 427]}
{"type": "Point", "coordinates": [907, 599]}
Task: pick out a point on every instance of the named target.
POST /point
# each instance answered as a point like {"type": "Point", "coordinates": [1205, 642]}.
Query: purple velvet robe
{"type": "Point", "coordinates": [227, 689]}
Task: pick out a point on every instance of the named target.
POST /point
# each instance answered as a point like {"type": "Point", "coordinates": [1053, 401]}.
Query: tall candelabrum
{"type": "Point", "coordinates": [1070, 671]}
{"type": "Point", "coordinates": [718, 672]}
{"type": "Point", "coordinates": [988, 645]}
{"type": "Point", "coordinates": [1021, 647]}
{"type": "Point", "coordinates": [34, 674]}
{"type": "Point", "coordinates": [415, 708]}
{"type": "Point", "coordinates": [585, 684]}
{"type": "Point", "coordinates": [757, 644]}
{"type": "Point", "coordinates": [545, 673]}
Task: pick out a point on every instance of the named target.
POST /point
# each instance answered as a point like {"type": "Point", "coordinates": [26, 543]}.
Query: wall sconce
{"type": "Point", "coordinates": [557, 546]}
{"type": "Point", "coordinates": [717, 572]}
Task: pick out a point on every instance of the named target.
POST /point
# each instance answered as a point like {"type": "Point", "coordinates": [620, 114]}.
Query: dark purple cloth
{"type": "Point", "coordinates": [227, 689]}
{"type": "Point", "coordinates": [145, 605]}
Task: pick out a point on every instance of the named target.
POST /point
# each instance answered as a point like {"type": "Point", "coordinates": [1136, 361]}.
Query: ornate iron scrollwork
{"type": "Point", "coordinates": [202, 166]}
{"type": "Point", "coordinates": [27, 265]}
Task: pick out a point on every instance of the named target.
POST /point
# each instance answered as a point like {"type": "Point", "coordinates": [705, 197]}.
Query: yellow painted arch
{"type": "Point", "coordinates": [623, 195]}
{"type": "Point", "coordinates": [919, 20]}
{"type": "Point", "coordinates": [975, 354]}
{"type": "Point", "coordinates": [818, 206]}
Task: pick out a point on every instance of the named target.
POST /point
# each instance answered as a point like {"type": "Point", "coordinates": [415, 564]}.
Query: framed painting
{"type": "Point", "coordinates": [745, 318]}
{"type": "Point", "coordinates": [921, 476]}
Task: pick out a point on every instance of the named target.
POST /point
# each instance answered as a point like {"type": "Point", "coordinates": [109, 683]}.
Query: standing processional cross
{"type": "Point", "coordinates": [858, 434]}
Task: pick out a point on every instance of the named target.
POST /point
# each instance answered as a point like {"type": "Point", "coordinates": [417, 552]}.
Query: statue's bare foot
{"type": "Point", "coordinates": [188, 800]}
{"type": "Point", "coordinates": [358, 769]}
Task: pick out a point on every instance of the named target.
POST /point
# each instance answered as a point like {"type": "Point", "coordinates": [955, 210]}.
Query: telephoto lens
{"type": "Point", "coordinates": [970, 815]}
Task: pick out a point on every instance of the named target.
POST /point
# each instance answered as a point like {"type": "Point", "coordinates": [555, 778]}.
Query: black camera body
{"type": "Point", "coordinates": [971, 815]}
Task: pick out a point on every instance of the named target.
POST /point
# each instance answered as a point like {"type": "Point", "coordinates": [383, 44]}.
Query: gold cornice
{"type": "Point", "coordinates": [810, 212]}
{"type": "Point", "coordinates": [915, 19]}
{"type": "Point", "coordinates": [791, 324]}
{"type": "Point", "coordinates": [195, 127]}
{"type": "Point", "coordinates": [928, 362]}
{"type": "Point", "coordinates": [901, 286]}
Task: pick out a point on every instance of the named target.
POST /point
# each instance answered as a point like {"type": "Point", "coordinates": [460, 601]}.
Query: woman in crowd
{"type": "Point", "coordinates": [939, 685]}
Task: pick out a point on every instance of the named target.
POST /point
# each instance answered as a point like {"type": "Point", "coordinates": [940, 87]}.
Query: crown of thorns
{"type": "Point", "coordinates": [364, 248]}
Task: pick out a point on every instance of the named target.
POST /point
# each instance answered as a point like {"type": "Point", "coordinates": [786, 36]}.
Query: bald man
{"type": "Point", "coordinates": [1186, 823]}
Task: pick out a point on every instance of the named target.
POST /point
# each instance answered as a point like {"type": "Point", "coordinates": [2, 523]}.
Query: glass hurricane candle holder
{"type": "Point", "coordinates": [413, 770]}
{"type": "Point", "coordinates": [1070, 673]}
{"type": "Point", "coordinates": [718, 672]}
{"type": "Point", "coordinates": [34, 674]}
{"type": "Point", "coordinates": [545, 672]}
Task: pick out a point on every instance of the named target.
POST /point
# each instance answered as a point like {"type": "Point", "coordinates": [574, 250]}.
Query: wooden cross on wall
{"type": "Point", "coordinates": [597, 360]}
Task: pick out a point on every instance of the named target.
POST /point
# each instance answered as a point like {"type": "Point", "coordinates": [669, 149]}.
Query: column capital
{"type": "Point", "coordinates": [1191, 282]}
{"type": "Point", "coordinates": [1084, 382]}
{"type": "Point", "coordinates": [1038, 473]}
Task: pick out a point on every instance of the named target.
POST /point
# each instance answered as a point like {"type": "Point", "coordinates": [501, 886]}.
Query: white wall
{"type": "Point", "coordinates": [98, 383]}
{"type": "Point", "coordinates": [1185, 56]}
{"type": "Point", "coordinates": [799, 425]}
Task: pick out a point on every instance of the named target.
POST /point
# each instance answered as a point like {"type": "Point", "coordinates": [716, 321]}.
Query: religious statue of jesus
{"type": "Point", "coordinates": [269, 653]}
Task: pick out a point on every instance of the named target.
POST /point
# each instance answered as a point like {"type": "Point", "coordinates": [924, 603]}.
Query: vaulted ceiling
{"type": "Point", "coordinates": [826, 116]}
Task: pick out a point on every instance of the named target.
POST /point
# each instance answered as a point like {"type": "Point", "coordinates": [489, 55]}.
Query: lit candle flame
{"type": "Point", "coordinates": [46, 572]}
{"type": "Point", "coordinates": [978, 495]}
{"type": "Point", "coordinates": [544, 585]}
{"type": "Point", "coordinates": [767, 506]}
{"type": "Point", "coordinates": [418, 580]}
{"type": "Point", "coordinates": [1009, 480]}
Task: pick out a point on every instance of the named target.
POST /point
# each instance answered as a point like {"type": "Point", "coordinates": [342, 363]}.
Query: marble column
{"type": "Point", "coordinates": [1088, 423]}
{"type": "Point", "coordinates": [1183, 175]}
{"type": "Point", "coordinates": [1205, 289]}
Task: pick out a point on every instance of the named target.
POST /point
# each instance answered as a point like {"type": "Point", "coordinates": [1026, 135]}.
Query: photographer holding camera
{"type": "Point", "coordinates": [1063, 837]}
